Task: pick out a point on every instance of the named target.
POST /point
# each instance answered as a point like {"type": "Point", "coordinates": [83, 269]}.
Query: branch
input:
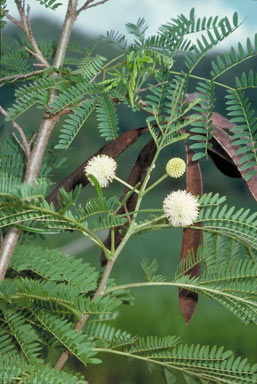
{"type": "Point", "coordinates": [14, 21]}
{"type": "Point", "coordinates": [7, 248]}
{"type": "Point", "coordinates": [87, 5]}
{"type": "Point", "coordinates": [26, 27]}
{"type": "Point", "coordinates": [35, 55]}
{"type": "Point", "coordinates": [22, 75]}
{"type": "Point", "coordinates": [49, 122]}
{"type": "Point", "coordinates": [25, 144]}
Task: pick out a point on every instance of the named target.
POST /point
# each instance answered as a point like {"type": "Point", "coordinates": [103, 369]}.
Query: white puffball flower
{"type": "Point", "coordinates": [181, 208]}
{"type": "Point", "coordinates": [175, 167]}
{"type": "Point", "coordinates": [103, 168]}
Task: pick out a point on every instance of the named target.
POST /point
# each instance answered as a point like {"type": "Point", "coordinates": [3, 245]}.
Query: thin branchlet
{"type": "Point", "coordinates": [26, 27]}
{"type": "Point", "coordinates": [90, 4]}
{"type": "Point", "coordinates": [24, 144]}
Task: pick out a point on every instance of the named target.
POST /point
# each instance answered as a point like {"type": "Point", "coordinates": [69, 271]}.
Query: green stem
{"type": "Point", "coordinates": [107, 66]}
{"type": "Point", "coordinates": [142, 211]}
{"type": "Point", "coordinates": [150, 222]}
{"type": "Point", "coordinates": [75, 224]}
{"type": "Point", "coordinates": [127, 354]}
{"type": "Point", "coordinates": [126, 184]}
{"type": "Point", "coordinates": [204, 79]}
{"type": "Point", "coordinates": [112, 240]}
{"type": "Point", "coordinates": [163, 177]}
{"type": "Point", "coordinates": [183, 369]}
{"type": "Point", "coordinates": [189, 287]}
{"type": "Point", "coordinates": [18, 296]}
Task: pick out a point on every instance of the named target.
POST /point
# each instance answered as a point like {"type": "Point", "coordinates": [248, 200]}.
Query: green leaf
{"type": "Point", "coordinates": [52, 4]}
{"type": "Point", "coordinates": [97, 186]}
{"type": "Point", "coordinates": [74, 123]}
{"type": "Point", "coordinates": [107, 118]}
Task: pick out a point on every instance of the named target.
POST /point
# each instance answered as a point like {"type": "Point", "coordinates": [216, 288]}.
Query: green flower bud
{"type": "Point", "coordinates": [175, 167]}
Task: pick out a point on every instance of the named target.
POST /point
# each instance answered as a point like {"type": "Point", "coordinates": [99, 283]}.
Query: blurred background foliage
{"type": "Point", "coordinates": [155, 311]}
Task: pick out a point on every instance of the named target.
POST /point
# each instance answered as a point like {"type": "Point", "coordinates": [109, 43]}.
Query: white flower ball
{"type": "Point", "coordinates": [181, 208]}
{"type": "Point", "coordinates": [103, 168]}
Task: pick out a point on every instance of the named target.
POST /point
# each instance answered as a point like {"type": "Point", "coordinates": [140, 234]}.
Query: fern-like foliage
{"type": "Point", "coordinates": [235, 224]}
{"type": "Point", "coordinates": [75, 342]}
{"type": "Point", "coordinates": [202, 128]}
{"type": "Point", "coordinates": [99, 206]}
{"type": "Point", "coordinates": [235, 289]}
{"type": "Point", "coordinates": [246, 81]}
{"type": "Point", "coordinates": [198, 363]}
{"type": "Point", "coordinates": [12, 365]}
{"type": "Point", "coordinates": [52, 4]}
{"type": "Point", "coordinates": [117, 39]}
{"type": "Point", "coordinates": [169, 109]}
{"type": "Point", "coordinates": [90, 66]}
{"type": "Point", "coordinates": [106, 335]}
{"type": "Point", "coordinates": [137, 30]}
{"type": "Point", "coordinates": [228, 275]}
{"type": "Point", "coordinates": [22, 332]}
{"type": "Point", "coordinates": [11, 165]}
{"type": "Point", "coordinates": [245, 132]}
{"type": "Point", "coordinates": [45, 83]}
{"type": "Point", "coordinates": [41, 309]}
{"type": "Point", "coordinates": [14, 62]}
{"type": "Point", "coordinates": [73, 96]}
{"type": "Point", "coordinates": [39, 261]}
{"type": "Point", "coordinates": [233, 58]}
{"type": "Point", "coordinates": [36, 93]}
{"type": "Point", "coordinates": [150, 270]}
{"type": "Point", "coordinates": [26, 208]}
{"type": "Point", "coordinates": [217, 33]}
{"type": "Point", "coordinates": [172, 36]}
{"type": "Point", "coordinates": [107, 118]}
{"type": "Point", "coordinates": [74, 123]}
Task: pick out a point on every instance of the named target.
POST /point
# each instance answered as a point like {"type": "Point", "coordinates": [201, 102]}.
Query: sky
{"type": "Point", "coordinates": [114, 14]}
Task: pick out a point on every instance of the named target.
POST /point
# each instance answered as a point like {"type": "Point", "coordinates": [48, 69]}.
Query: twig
{"type": "Point", "coordinates": [87, 5]}
{"type": "Point", "coordinates": [34, 54]}
{"type": "Point", "coordinates": [14, 21]}
{"type": "Point", "coordinates": [140, 90]}
{"type": "Point", "coordinates": [25, 144]}
{"type": "Point", "coordinates": [27, 29]}
{"type": "Point", "coordinates": [98, 3]}
{"type": "Point", "coordinates": [84, 7]}
{"type": "Point", "coordinates": [18, 141]}
{"type": "Point", "coordinates": [64, 111]}
{"type": "Point", "coordinates": [38, 65]}
{"type": "Point", "coordinates": [32, 139]}
{"type": "Point", "coordinates": [22, 76]}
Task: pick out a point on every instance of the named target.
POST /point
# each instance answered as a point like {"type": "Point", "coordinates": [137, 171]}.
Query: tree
{"type": "Point", "coordinates": [50, 300]}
